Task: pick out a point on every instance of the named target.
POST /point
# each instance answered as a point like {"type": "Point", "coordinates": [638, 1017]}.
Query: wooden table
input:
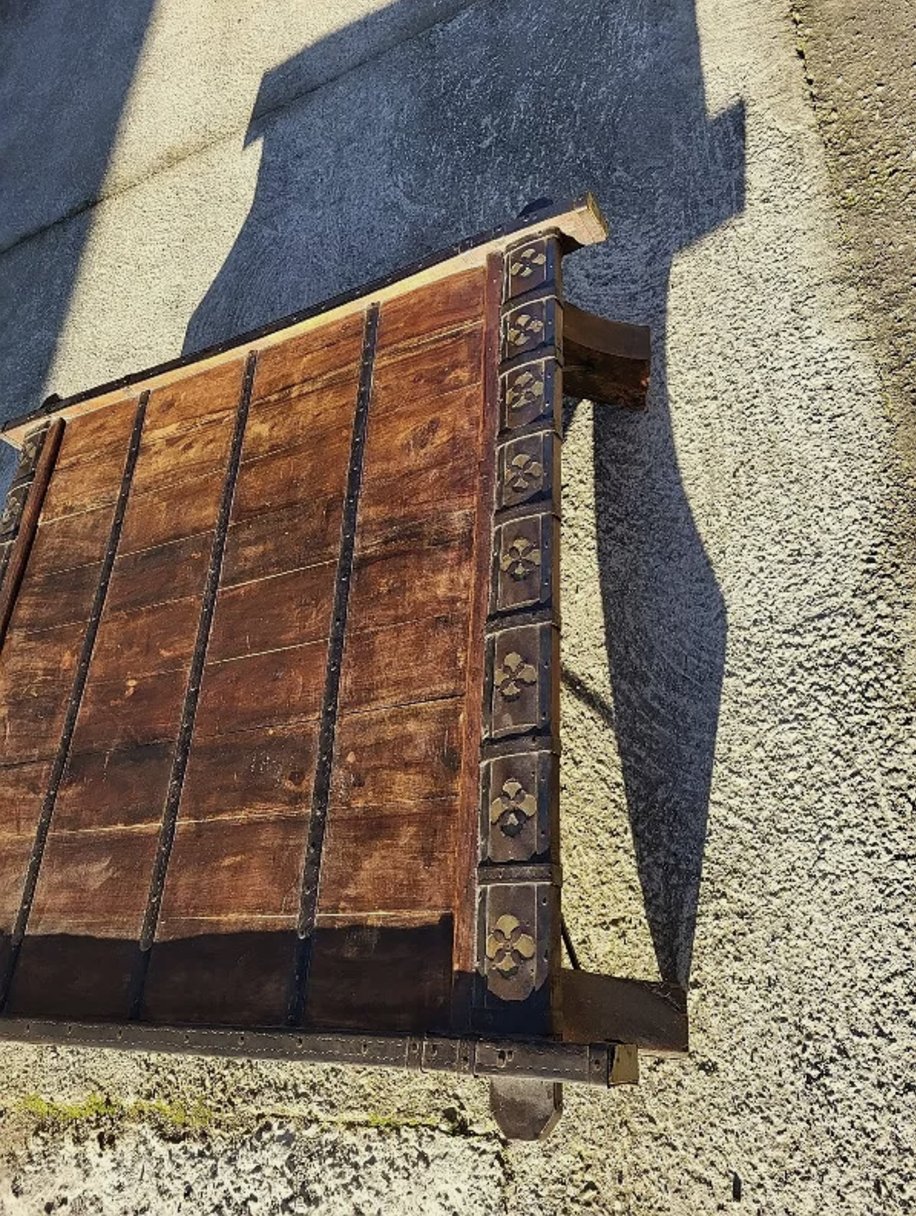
{"type": "Point", "coordinates": [279, 689]}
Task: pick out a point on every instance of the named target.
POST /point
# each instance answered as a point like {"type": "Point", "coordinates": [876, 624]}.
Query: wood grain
{"type": "Point", "coordinates": [330, 350]}
{"type": "Point", "coordinates": [251, 773]}
{"type": "Point", "coordinates": [292, 476]}
{"type": "Point", "coordinates": [414, 574]}
{"type": "Point", "coordinates": [419, 661]}
{"type": "Point", "coordinates": [121, 787]}
{"type": "Point", "coordinates": [429, 371]}
{"type": "Point", "coordinates": [183, 455]}
{"type": "Point", "coordinates": [73, 540]}
{"type": "Point", "coordinates": [282, 610]}
{"type": "Point", "coordinates": [236, 868]}
{"type": "Point", "coordinates": [144, 641]}
{"type": "Point", "coordinates": [191, 401]}
{"type": "Point", "coordinates": [48, 599]}
{"type": "Point", "coordinates": [297, 417]}
{"type": "Point", "coordinates": [94, 881]}
{"type": "Point", "coordinates": [451, 303]}
{"type": "Point", "coordinates": [21, 790]}
{"type": "Point", "coordinates": [382, 858]}
{"type": "Point", "coordinates": [289, 684]}
{"type": "Point", "coordinates": [172, 513]}
{"type": "Point", "coordinates": [283, 540]}
{"type": "Point", "coordinates": [123, 713]}
{"type": "Point", "coordinates": [404, 756]}
{"type": "Point", "coordinates": [167, 572]}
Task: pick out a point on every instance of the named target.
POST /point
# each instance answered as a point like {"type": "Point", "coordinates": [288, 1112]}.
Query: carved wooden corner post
{"type": "Point", "coordinates": [518, 924]}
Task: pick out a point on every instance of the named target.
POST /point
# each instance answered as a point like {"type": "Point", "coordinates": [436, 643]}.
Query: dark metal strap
{"type": "Point", "coordinates": [74, 702]}
{"type": "Point", "coordinates": [192, 696]}
{"type": "Point", "coordinates": [308, 902]}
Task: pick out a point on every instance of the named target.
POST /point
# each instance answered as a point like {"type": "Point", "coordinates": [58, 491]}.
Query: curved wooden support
{"type": "Point", "coordinates": [605, 360]}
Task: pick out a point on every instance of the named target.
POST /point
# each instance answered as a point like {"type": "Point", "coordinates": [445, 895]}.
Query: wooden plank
{"type": "Point", "coordinates": [50, 599]}
{"type": "Point", "coordinates": [197, 399]}
{"type": "Point", "coordinates": [289, 687]}
{"type": "Point", "coordinates": [299, 416]}
{"type": "Point", "coordinates": [464, 960]}
{"type": "Point", "coordinates": [402, 664]}
{"type": "Point", "coordinates": [283, 540]}
{"type": "Point", "coordinates": [251, 773]}
{"type": "Point", "coordinates": [383, 858]}
{"type": "Point", "coordinates": [145, 641]}
{"type": "Point", "coordinates": [448, 304]}
{"type": "Point", "coordinates": [71, 540]}
{"type": "Point", "coordinates": [183, 455]}
{"type": "Point", "coordinates": [85, 483]}
{"type": "Point", "coordinates": [122, 787]}
{"type": "Point", "coordinates": [403, 756]}
{"type": "Point", "coordinates": [171, 571]}
{"type": "Point", "coordinates": [429, 372]}
{"type": "Point", "coordinates": [21, 789]}
{"type": "Point", "coordinates": [419, 459]}
{"type": "Point", "coordinates": [281, 610]}
{"type": "Point", "coordinates": [36, 674]}
{"type": "Point", "coordinates": [415, 573]}
{"type": "Point", "coordinates": [85, 918]}
{"type": "Point", "coordinates": [580, 221]}
{"type": "Point", "coordinates": [389, 975]}
{"type": "Point", "coordinates": [236, 867]}
{"type": "Point", "coordinates": [85, 437]}
{"type": "Point", "coordinates": [67, 976]}
{"type": "Point", "coordinates": [292, 476]}
{"type": "Point", "coordinates": [220, 973]}
{"type": "Point", "coordinates": [94, 879]}
{"type": "Point", "coordinates": [599, 1008]}
{"type": "Point", "coordinates": [123, 713]}
{"type": "Point", "coordinates": [172, 513]}
{"type": "Point", "coordinates": [331, 350]}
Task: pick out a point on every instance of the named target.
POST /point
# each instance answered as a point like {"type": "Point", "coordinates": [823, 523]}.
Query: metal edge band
{"type": "Point", "coordinates": [308, 900]}
{"type": "Point", "coordinates": [597, 1064]}
{"type": "Point", "coordinates": [518, 877]}
{"type": "Point", "coordinates": [191, 698]}
{"type": "Point", "coordinates": [74, 703]}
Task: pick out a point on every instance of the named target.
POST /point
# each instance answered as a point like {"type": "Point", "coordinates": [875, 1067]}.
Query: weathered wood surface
{"type": "Point", "coordinates": [279, 688]}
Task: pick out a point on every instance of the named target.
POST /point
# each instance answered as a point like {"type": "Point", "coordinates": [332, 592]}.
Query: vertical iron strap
{"type": "Point", "coordinates": [308, 903]}
{"type": "Point", "coordinates": [74, 702]}
{"type": "Point", "coordinates": [192, 696]}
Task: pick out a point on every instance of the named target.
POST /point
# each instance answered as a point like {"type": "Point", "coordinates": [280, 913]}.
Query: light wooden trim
{"type": "Point", "coordinates": [582, 223]}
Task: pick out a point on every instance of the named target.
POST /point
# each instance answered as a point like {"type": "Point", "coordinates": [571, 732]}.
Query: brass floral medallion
{"type": "Point", "coordinates": [512, 675]}
{"type": "Point", "coordinates": [520, 558]}
{"type": "Point", "coordinates": [511, 809]}
{"type": "Point", "coordinates": [509, 947]}
{"type": "Point", "coordinates": [524, 472]}
{"type": "Point", "coordinates": [526, 261]}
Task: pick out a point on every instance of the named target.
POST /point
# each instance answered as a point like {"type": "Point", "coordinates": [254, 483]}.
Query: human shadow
{"type": "Point", "coordinates": [65, 70]}
{"type": "Point", "coordinates": [453, 132]}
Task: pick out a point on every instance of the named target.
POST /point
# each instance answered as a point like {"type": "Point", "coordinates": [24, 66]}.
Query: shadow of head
{"type": "Point", "coordinates": [453, 130]}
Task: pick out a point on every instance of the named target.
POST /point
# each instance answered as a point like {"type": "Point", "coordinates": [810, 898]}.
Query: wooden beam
{"type": "Point", "coordinates": [605, 361]}
{"type": "Point", "coordinates": [603, 1008]}
{"type": "Point", "coordinates": [581, 223]}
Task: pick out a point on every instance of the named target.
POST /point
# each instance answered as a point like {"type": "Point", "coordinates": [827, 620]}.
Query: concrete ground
{"type": "Point", "coordinates": [738, 563]}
